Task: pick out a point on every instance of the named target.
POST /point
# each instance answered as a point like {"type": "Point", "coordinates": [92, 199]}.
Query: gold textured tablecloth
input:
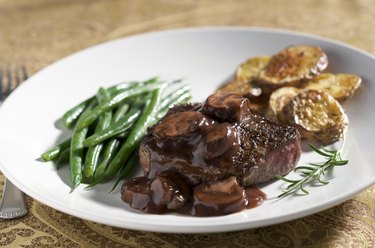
{"type": "Point", "coordinates": [39, 32]}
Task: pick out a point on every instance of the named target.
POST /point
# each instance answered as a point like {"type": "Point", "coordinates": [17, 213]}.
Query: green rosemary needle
{"type": "Point", "coordinates": [313, 172]}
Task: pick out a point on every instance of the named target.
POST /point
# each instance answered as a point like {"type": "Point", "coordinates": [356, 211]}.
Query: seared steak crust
{"type": "Point", "coordinates": [267, 149]}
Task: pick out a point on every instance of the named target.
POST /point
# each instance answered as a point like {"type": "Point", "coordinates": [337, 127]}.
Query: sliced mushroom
{"type": "Point", "coordinates": [170, 190]}
{"type": "Point", "coordinates": [226, 107]}
{"type": "Point", "coordinates": [181, 124]}
{"type": "Point", "coordinates": [136, 193]}
{"type": "Point", "coordinates": [219, 198]}
{"type": "Point", "coordinates": [220, 139]}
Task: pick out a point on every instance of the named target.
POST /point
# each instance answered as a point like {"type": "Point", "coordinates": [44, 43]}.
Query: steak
{"type": "Point", "coordinates": [220, 140]}
{"type": "Point", "coordinates": [218, 146]}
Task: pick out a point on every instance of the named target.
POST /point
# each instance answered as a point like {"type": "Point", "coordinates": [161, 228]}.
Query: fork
{"type": "Point", "coordinates": [12, 203]}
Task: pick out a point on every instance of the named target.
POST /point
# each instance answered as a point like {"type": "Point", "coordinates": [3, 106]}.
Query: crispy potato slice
{"type": "Point", "coordinates": [317, 115]}
{"type": "Point", "coordinates": [279, 99]}
{"type": "Point", "coordinates": [292, 67]}
{"type": "Point", "coordinates": [250, 69]}
{"type": "Point", "coordinates": [340, 86]}
{"type": "Point", "coordinates": [245, 73]}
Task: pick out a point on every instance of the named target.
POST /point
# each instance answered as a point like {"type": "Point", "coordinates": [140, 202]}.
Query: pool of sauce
{"type": "Point", "coordinates": [139, 195]}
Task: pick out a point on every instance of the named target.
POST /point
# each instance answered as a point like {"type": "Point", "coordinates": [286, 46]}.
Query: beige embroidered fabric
{"type": "Point", "coordinates": [39, 32]}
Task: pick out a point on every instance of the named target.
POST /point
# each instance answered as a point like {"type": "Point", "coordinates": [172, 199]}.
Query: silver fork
{"type": "Point", "coordinates": [12, 203]}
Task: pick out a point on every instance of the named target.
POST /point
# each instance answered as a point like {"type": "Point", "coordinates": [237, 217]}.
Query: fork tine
{"type": "Point", "coordinates": [10, 78]}
{"type": "Point", "coordinates": [17, 77]}
{"type": "Point", "coordinates": [10, 81]}
{"type": "Point", "coordinates": [25, 72]}
{"type": "Point", "coordinates": [1, 83]}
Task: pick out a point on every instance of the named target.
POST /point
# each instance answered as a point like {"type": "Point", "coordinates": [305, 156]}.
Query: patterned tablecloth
{"type": "Point", "coordinates": [39, 32]}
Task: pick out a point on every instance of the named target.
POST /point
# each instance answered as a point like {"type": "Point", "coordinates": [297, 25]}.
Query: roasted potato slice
{"type": "Point", "coordinates": [340, 86]}
{"type": "Point", "coordinates": [292, 67]}
{"type": "Point", "coordinates": [245, 73]}
{"type": "Point", "coordinates": [278, 100]}
{"type": "Point", "coordinates": [317, 115]}
{"type": "Point", "coordinates": [250, 69]}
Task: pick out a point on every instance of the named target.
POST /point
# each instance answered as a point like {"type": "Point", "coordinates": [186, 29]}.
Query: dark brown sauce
{"type": "Point", "coordinates": [139, 195]}
{"type": "Point", "coordinates": [188, 163]}
{"type": "Point", "coordinates": [255, 197]}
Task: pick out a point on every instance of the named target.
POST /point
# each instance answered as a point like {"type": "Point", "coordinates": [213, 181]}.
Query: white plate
{"type": "Point", "coordinates": [207, 57]}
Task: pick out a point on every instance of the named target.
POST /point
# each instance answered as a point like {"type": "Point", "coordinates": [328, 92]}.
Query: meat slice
{"type": "Point", "coordinates": [249, 147]}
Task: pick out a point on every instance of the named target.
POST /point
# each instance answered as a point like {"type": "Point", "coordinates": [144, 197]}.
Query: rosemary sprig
{"type": "Point", "coordinates": [313, 172]}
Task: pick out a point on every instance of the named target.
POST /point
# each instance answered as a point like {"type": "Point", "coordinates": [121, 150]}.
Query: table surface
{"type": "Point", "coordinates": [39, 32]}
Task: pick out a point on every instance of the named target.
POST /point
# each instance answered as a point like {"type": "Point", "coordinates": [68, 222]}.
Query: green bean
{"type": "Point", "coordinates": [54, 153]}
{"type": "Point", "coordinates": [120, 112]}
{"type": "Point", "coordinates": [166, 101]}
{"type": "Point", "coordinates": [72, 115]}
{"type": "Point", "coordinates": [171, 100]}
{"type": "Point", "coordinates": [129, 168]}
{"type": "Point", "coordinates": [63, 158]}
{"type": "Point", "coordinates": [114, 130]}
{"type": "Point", "coordinates": [184, 97]}
{"type": "Point", "coordinates": [76, 151]}
{"type": "Point", "coordinates": [115, 101]}
{"type": "Point", "coordinates": [120, 98]}
{"type": "Point", "coordinates": [76, 157]}
{"type": "Point", "coordinates": [117, 127]}
{"type": "Point", "coordinates": [109, 152]}
{"type": "Point", "coordinates": [178, 100]}
{"type": "Point", "coordinates": [90, 162]}
{"type": "Point", "coordinates": [129, 85]}
{"type": "Point", "coordinates": [122, 86]}
{"type": "Point", "coordinates": [151, 80]}
{"type": "Point", "coordinates": [92, 155]}
{"type": "Point", "coordinates": [134, 137]}
{"type": "Point", "coordinates": [111, 146]}
{"type": "Point", "coordinates": [123, 135]}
